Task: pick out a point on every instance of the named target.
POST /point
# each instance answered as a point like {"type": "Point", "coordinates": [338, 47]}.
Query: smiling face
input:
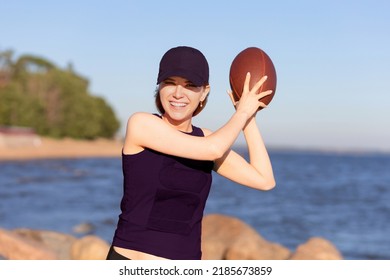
{"type": "Point", "coordinates": [180, 98]}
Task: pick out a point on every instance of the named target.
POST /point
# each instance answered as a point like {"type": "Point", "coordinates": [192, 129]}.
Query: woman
{"type": "Point", "coordinates": [167, 162]}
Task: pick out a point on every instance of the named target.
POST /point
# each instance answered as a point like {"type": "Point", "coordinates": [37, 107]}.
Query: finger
{"type": "Point", "coordinates": [265, 93]}
{"type": "Point", "coordinates": [262, 105]}
{"type": "Point", "coordinates": [246, 83]}
{"type": "Point", "coordinates": [259, 83]}
{"type": "Point", "coordinates": [262, 80]}
{"type": "Point", "coordinates": [230, 93]}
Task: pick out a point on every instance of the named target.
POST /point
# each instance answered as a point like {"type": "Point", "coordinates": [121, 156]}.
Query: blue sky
{"type": "Point", "coordinates": [332, 58]}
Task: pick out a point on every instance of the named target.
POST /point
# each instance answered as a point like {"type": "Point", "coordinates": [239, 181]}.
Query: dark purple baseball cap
{"type": "Point", "coordinates": [185, 62]}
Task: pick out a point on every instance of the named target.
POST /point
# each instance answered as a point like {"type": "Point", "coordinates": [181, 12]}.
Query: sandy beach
{"type": "Point", "coordinates": [64, 148]}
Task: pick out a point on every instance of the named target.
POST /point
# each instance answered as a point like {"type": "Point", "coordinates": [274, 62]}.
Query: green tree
{"type": "Point", "coordinates": [17, 108]}
{"type": "Point", "coordinates": [55, 102]}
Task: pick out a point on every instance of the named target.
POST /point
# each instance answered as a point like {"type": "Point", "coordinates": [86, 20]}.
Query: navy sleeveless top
{"type": "Point", "coordinates": [163, 203]}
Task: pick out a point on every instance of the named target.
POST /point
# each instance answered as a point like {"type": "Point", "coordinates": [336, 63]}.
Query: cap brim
{"type": "Point", "coordinates": [188, 75]}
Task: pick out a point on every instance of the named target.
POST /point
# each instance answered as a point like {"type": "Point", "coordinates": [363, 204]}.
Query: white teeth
{"type": "Point", "coordinates": [177, 104]}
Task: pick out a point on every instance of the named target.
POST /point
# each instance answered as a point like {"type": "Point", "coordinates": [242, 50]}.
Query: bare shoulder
{"type": "Point", "coordinates": [136, 128]}
{"type": "Point", "coordinates": [139, 123]}
{"type": "Point", "coordinates": [140, 119]}
{"type": "Point", "coordinates": [141, 116]}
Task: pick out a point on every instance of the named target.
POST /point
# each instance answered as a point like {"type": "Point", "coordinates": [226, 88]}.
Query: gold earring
{"type": "Point", "coordinates": [201, 104]}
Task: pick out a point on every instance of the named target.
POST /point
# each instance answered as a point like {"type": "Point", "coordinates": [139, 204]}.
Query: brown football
{"type": "Point", "coordinates": [258, 63]}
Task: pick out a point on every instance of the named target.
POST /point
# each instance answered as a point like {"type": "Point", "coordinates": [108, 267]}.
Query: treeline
{"type": "Point", "coordinates": [55, 102]}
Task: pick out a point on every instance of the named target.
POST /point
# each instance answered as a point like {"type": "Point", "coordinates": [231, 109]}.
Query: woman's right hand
{"type": "Point", "coordinates": [249, 102]}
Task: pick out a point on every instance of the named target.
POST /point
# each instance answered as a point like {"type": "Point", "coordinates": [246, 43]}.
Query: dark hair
{"type": "Point", "coordinates": [160, 107]}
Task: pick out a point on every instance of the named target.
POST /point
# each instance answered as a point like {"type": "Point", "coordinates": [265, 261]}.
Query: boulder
{"type": "Point", "coordinates": [58, 243]}
{"type": "Point", "coordinates": [14, 246]}
{"type": "Point", "coordinates": [229, 238]}
{"type": "Point", "coordinates": [317, 248]}
{"type": "Point", "coordinates": [89, 247]}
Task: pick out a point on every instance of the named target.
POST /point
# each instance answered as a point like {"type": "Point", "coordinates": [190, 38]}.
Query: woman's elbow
{"type": "Point", "coordinates": [266, 185]}
{"type": "Point", "coordinates": [270, 185]}
{"type": "Point", "coordinates": [215, 152]}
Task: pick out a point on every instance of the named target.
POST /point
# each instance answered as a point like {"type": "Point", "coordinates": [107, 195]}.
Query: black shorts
{"type": "Point", "coordinates": [114, 255]}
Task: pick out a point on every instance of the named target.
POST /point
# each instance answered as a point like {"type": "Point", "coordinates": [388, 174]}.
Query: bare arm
{"type": "Point", "coordinates": [147, 131]}
{"type": "Point", "coordinates": [258, 154]}
{"type": "Point", "coordinates": [257, 173]}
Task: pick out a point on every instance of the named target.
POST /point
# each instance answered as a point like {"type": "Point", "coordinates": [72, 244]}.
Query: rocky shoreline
{"type": "Point", "coordinates": [223, 238]}
{"type": "Point", "coordinates": [61, 148]}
